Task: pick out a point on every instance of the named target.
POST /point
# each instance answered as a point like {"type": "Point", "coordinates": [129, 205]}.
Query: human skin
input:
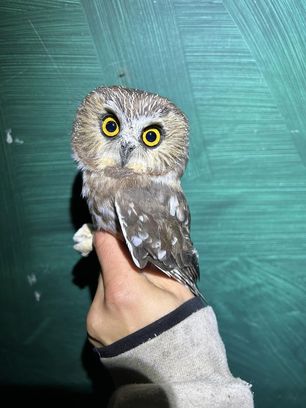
{"type": "Point", "coordinates": [127, 298]}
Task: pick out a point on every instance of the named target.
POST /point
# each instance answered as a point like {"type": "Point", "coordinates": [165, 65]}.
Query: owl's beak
{"type": "Point", "coordinates": [126, 149]}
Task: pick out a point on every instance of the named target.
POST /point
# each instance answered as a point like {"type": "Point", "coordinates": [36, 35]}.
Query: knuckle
{"type": "Point", "coordinates": [94, 324]}
{"type": "Point", "coordinates": [99, 239]}
{"type": "Point", "coordinates": [117, 295]}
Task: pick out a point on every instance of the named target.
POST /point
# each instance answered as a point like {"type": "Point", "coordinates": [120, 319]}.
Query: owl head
{"type": "Point", "coordinates": [129, 131]}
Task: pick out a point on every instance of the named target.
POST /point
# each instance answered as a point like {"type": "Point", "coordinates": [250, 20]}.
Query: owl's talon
{"type": "Point", "coordinates": [83, 239]}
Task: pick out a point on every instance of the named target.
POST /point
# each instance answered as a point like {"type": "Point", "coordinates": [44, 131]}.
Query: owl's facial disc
{"type": "Point", "coordinates": [126, 149]}
{"type": "Point", "coordinates": [128, 131]}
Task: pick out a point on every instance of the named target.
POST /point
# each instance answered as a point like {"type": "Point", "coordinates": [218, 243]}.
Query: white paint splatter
{"type": "Point", "coordinates": [9, 137]}
{"type": "Point", "coordinates": [37, 295]}
{"type": "Point", "coordinates": [32, 279]}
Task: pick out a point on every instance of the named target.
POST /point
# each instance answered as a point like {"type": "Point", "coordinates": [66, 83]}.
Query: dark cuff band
{"type": "Point", "coordinates": [152, 330]}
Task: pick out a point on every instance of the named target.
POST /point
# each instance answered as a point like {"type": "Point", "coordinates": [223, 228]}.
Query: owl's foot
{"type": "Point", "coordinates": [83, 239]}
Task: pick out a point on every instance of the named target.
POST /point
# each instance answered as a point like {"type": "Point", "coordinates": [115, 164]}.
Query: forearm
{"type": "Point", "coordinates": [179, 359]}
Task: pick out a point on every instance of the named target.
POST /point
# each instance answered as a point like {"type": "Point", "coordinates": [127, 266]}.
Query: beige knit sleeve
{"type": "Point", "coordinates": [182, 366]}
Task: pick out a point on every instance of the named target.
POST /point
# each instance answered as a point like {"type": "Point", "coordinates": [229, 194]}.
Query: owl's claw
{"type": "Point", "coordinates": [83, 239]}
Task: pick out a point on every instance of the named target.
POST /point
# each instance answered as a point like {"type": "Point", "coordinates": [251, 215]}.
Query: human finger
{"type": "Point", "coordinates": [115, 259]}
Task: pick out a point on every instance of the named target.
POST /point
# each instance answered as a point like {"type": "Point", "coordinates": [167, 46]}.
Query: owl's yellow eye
{"type": "Point", "coordinates": [110, 126]}
{"type": "Point", "coordinates": [151, 137]}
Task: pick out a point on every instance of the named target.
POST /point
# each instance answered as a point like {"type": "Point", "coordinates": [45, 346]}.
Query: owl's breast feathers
{"type": "Point", "coordinates": [154, 219]}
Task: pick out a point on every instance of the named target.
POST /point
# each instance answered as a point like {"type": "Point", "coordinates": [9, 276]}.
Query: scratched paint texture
{"type": "Point", "coordinates": [237, 68]}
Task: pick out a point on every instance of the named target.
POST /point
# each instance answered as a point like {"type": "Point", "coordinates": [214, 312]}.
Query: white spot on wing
{"type": "Point", "coordinates": [143, 218]}
{"type": "Point", "coordinates": [125, 236]}
{"type": "Point", "coordinates": [136, 240]}
{"type": "Point", "coordinates": [174, 241]}
{"type": "Point", "coordinates": [180, 214]}
{"type": "Point", "coordinates": [161, 254]}
{"type": "Point", "coordinates": [107, 213]}
{"type": "Point", "coordinates": [173, 203]}
{"type": "Point", "coordinates": [143, 235]}
{"type": "Point", "coordinates": [156, 244]}
{"type": "Point", "coordinates": [132, 205]}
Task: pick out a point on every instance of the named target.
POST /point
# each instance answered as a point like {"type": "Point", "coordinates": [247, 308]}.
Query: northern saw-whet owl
{"type": "Point", "coordinates": [132, 147]}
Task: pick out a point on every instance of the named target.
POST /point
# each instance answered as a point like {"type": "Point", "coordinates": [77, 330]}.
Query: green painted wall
{"type": "Point", "coordinates": [237, 68]}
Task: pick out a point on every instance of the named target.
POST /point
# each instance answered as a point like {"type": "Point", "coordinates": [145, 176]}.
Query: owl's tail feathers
{"type": "Point", "coordinates": [202, 297]}
{"type": "Point", "coordinates": [184, 278]}
{"type": "Point", "coordinates": [194, 289]}
{"type": "Point", "coordinates": [83, 239]}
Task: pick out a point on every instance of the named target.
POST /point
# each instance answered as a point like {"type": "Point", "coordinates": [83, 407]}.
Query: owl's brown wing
{"type": "Point", "coordinates": [155, 225]}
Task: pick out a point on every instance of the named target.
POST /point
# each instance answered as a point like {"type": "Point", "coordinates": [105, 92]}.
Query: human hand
{"type": "Point", "coordinates": [127, 298]}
